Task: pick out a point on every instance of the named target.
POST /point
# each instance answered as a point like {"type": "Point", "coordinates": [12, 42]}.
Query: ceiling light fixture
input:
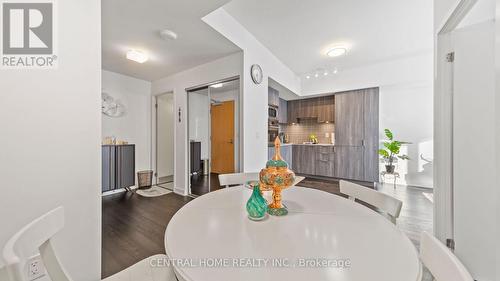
{"type": "Point", "coordinates": [335, 71]}
{"type": "Point", "coordinates": [316, 75]}
{"type": "Point", "coordinates": [218, 85]}
{"type": "Point", "coordinates": [167, 34]}
{"type": "Point", "coordinates": [308, 77]}
{"type": "Point", "coordinates": [325, 73]}
{"type": "Point", "coordinates": [137, 56]}
{"type": "Point", "coordinates": [337, 51]}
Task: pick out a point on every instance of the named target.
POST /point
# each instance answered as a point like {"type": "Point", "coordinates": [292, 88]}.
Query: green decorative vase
{"type": "Point", "coordinates": [256, 205]}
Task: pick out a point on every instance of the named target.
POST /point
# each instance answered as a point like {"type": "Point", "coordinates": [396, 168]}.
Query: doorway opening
{"type": "Point", "coordinates": [164, 115]}
{"type": "Point", "coordinates": [213, 125]}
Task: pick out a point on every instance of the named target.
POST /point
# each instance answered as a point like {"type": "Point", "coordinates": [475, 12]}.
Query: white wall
{"type": "Point", "coordinates": [135, 124]}
{"type": "Point", "coordinates": [51, 134]}
{"type": "Point", "coordinates": [407, 110]}
{"type": "Point", "coordinates": [228, 66]}
{"type": "Point", "coordinates": [165, 125]}
{"type": "Point", "coordinates": [254, 97]}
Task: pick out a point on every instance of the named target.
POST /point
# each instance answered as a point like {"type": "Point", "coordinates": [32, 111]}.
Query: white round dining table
{"type": "Point", "coordinates": [323, 237]}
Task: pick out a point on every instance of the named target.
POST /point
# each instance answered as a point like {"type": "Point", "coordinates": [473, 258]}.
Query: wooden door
{"type": "Point", "coordinates": [222, 136]}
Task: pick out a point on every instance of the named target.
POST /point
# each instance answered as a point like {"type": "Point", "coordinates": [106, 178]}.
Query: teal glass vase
{"type": "Point", "coordinates": [256, 205]}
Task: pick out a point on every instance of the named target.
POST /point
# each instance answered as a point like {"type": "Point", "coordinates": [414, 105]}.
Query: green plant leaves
{"type": "Point", "coordinates": [383, 153]}
{"type": "Point", "coordinates": [388, 134]}
{"type": "Point", "coordinates": [393, 148]}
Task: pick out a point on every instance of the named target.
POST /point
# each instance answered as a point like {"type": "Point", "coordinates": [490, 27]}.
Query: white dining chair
{"type": "Point", "coordinates": [384, 202]}
{"type": "Point", "coordinates": [37, 237]}
{"type": "Point", "coordinates": [237, 178]}
{"type": "Point", "coordinates": [440, 261]}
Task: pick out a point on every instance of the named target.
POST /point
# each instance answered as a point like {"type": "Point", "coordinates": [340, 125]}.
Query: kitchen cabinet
{"type": "Point", "coordinates": [292, 110]}
{"type": "Point", "coordinates": [283, 111]}
{"type": "Point", "coordinates": [273, 97]}
{"type": "Point", "coordinates": [349, 119]}
{"type": "Point", "coordinates": [326, 109]}
{"type": "Point", "coordinates": [322, 109]}
{"type": "Point", "coordinates": [118, 166]}
{"type": "Point", "coordinates": [304, 157]}
{"type": "Point", "coordinates": [325, 161]}
{"type": "Point", "coordinates": [356, 134]}
{"type": "Point", "coordinates": [371, 134]}
{"type": "Point", "coordinates": [349, 162]}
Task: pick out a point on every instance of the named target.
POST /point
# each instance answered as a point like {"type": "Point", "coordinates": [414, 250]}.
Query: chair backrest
{"type": "Point", "coordinates": [237, 178]}
{"type": "Point", "coordinates": [31, 239]}
{"type": "Point", "coordinates": [384, 202]}
{"type": "Point", "coordinates": [440, 261]}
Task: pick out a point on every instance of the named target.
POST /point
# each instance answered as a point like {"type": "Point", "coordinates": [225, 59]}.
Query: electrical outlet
{"type": "Point", "coordinates": [36, 269]}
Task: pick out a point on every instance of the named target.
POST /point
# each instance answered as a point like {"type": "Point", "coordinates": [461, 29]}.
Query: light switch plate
{"type": "Point", "coordinates": [35, 268]}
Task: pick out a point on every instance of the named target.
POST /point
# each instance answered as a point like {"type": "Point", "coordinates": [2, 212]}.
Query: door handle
{"type": "Point", "coordinates": [231, 141]}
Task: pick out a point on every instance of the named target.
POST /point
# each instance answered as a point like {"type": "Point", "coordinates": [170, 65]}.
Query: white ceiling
{"type": "Point", "coordinates": [132, 24]}
{"type": "Point", "coordinates": [300, 32]}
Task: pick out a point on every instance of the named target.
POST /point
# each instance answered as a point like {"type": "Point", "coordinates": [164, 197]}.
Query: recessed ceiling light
{"type": "Point", "coordinates": [167, 34]}
{"type": "Point", "coordinates": [335, 71]}
{"type": "Point", "coordinates": [337, 51]}
{"type": "Point", "coordinates": [325, 73]}
{"type": "Point", "coordinates": [137, 56]}
{"type": "Point", "coordinates": [218, 85]}
{"type": "Point", "coordinates": [316, 75]}
{"type": "Point", "coordinates": [308, 77]}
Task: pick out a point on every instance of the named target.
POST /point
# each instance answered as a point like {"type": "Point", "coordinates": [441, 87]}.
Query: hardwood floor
{"type": "Point", "coordinates": [199, 184]}
{"type": "Point", "coordinates": [133, 227]}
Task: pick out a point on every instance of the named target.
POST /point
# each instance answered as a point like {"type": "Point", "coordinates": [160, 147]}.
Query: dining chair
{"type": "Point", "coordinates": [37, 236]}
{"type": "Point", "coordinates": [237, 178]}
{"type": "Point", "coordinates": [440, 261]}
{"type": "Point", "coordinates": [384, 202]}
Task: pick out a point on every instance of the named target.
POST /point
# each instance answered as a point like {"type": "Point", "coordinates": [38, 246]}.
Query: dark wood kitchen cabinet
{"type": "Point", "coordinates": [118, 166]}
{"type": "Point", "coordinates": [322, 109]}
{"type": "Point", "coordinates": [349, 119]}
{"type": "Point", "coordinates": [349, 162]}
{"type": "Point", "coordinates": [356, 134]}
{"type": "Point", "coordinates": [283, 112]}
{"type": "Point", "coordinates": [304, 159]}
{"type": "Point", "coordinates": [325, 161]}
{"type": "Point", "coordinates": [326, 109]}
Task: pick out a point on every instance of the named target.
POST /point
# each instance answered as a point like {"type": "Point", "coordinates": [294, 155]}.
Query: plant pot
{"type": "Point", "coordinates": [389, 169]}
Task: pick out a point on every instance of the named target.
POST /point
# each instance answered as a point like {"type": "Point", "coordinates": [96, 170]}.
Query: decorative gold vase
{"type": "Point", "coordinates": [276, 177]}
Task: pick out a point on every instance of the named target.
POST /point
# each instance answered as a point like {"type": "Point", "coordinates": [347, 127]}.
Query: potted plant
{"type": "Point", "coordinates": [390, 152]}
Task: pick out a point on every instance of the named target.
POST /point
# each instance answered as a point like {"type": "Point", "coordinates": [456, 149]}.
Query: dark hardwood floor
{"type": "Point", "coordinates": [133, 227]}
{"type": "Point", "coordinates": [199, 184]}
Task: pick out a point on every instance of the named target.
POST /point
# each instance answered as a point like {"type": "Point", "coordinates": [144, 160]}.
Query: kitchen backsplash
{"type": "Point", "coordinates": [299, 133]}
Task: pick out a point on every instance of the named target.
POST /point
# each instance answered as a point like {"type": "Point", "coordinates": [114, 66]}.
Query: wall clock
{"type": "Point", "coordinates": [256, 73]}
